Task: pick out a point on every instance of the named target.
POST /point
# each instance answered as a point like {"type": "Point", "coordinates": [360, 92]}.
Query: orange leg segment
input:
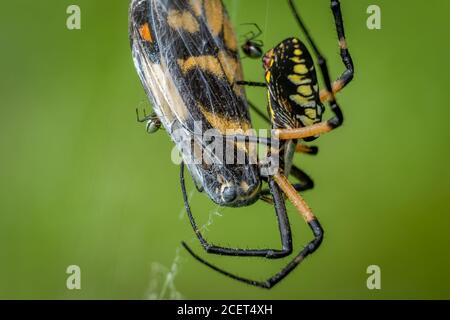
{"type": "Point", "coordinates": [304, 132]}
{"type": "Point", "coordinates": [296, 199]}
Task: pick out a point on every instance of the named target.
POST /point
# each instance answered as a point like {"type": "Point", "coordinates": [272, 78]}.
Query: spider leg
{"type": "Point", "coordinates": [258, 111]}
{"type": "Point", "coordinates": [153, 122]}
{"type": "Point", "coordinates": [251, 84]}
{"type": "Point", "coordinates": [347, 75]}
{"type": "Point", "coordinates": [283, 224]}
{"type": "Point", "coordinates": [312, 246]}
{"type": "Point", "coordinates": [300, 148]}
{"type": "Point", "coordinates": [253, 35]}
{"type": "Point", "coordinates": [305, 181]}
{"type": "Point", "coordinates": [258, 42]}
{"type": "Point", "coordinates": [143, 119]}
{"type": "Point", "coordinates": [303, 148]}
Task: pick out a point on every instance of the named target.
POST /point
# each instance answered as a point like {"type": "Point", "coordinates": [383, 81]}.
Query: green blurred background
{"type": "Point", "coordinates": [82, 183]}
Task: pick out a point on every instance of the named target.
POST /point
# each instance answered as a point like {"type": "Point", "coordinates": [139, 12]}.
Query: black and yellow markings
{"type": "Point", "coordinates": [293, 91]}
{"type": "Point", "coordinates": [239, 76]}
{"type": "Point", "coordinates": [268, 73]}
{"type": "Point", "coordinates": [268, 62]}
{"type": "Point", "coordinates": [272, 112]}
{"type": "Point", "coordinates": [226, 124]}
{"type": "Point", "coordinates": [230, 66]}
{"type": "Point", "coordinates": [301, 77]}
{"type": "Point", "coordinates": [183, 20]}
{"type": "Point", "coordinates": [228, 35]}
{"type": "Point", "coordinates": [207, 63]}
{"type": "Point", "coordinates": [223, 123]}
{"type": "Point", "coordinates": [309, 116]}
{"type": "Point", "coordinates": [298, 80]}
{"type": "Point", "coordinates": [216, 20]}
{"type": "Point", "coordinates": [214, 16]}
{"type": "Point", "coordinates": [221, 66]}
{"type": "Point", "coordinates": [268, 76]}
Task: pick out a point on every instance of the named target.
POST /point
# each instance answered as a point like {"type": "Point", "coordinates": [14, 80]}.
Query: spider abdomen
{"type": "Point", "coordinates": [292, 81]}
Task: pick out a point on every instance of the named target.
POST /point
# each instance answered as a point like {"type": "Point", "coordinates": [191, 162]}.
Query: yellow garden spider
{"type": "Point", "coordinates": [295, 105]}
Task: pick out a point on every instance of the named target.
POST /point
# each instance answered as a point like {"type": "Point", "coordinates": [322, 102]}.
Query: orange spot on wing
{"type": "Point", "coordinates": [144, 30]}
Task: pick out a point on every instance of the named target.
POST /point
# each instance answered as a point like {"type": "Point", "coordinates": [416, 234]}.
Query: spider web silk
{"type": "Point", "coordinates": [162, 279]}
